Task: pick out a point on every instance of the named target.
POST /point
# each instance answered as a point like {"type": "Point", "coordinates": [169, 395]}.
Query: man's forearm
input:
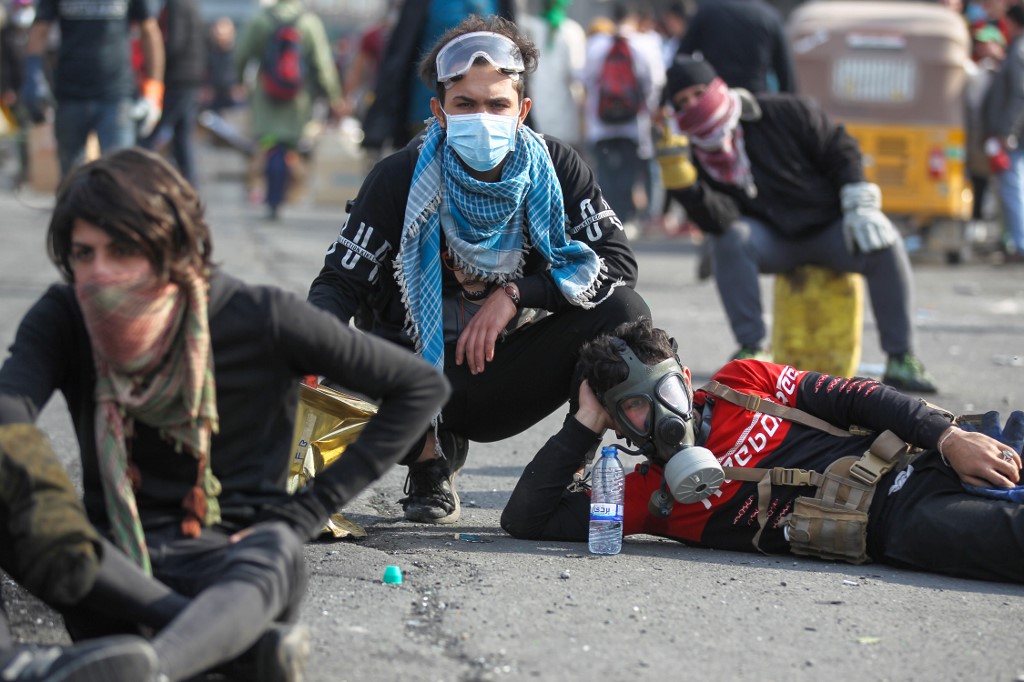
{"type": "Point", "coordinates": [152, 43]}
{"type": "Point", "coordinates": [538, 507]}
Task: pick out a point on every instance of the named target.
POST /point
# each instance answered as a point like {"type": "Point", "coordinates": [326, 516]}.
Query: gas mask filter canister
{"type": "Point", "coordinates": [667, 433]}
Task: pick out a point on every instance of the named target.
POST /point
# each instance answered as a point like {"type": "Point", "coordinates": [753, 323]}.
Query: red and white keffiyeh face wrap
{"type": "Point", "coordinates": [712, 124]}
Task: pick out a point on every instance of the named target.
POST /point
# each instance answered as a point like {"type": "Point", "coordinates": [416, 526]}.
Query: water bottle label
{"type": "Point", "coordinates": [605, 512]}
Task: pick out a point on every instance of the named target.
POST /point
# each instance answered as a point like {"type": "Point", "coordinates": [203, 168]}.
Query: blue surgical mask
{"type": "Point", "coordinates": [482, 140]}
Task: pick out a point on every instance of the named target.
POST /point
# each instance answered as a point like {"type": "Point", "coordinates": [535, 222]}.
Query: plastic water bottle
{"type": "Point", "coordinates": [607, 500]}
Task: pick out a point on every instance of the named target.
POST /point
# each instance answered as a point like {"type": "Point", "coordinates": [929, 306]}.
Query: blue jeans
{"type": "Point", "coordinates": [1011, 192]}
{"type": "Point", "coordinates": [76, 118]}
{"type": "Point", "coordinates": [277, 175]}
{"type": "Point", "coordinates": [618, 168]}
{"type": "Point", "coordinates": [181, 109]}
{"type": "Point", "coordinates": [6, 639]}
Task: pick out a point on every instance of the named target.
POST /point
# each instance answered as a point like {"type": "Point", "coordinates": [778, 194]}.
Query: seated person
{"type": "Point", "coordinates": [779, 185]}
{"type": "Point", "coordinates": [182, 386]}
{"type": "Point", "coordinates": [919, 514]}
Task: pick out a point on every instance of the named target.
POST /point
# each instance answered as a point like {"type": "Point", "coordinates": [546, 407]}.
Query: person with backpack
{"type": "Point", "coordinates": [792, 461]}
{"type": "Point", "coordinates": [484, 248]}
{"type": "Point", "coordinates": [623, 75]}
{"type": "Point", "coordinates": [295, 65]}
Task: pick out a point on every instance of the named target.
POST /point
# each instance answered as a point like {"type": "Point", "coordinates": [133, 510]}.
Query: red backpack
{"type": "Point", "coordinates": [619, 97]}
{"type": "Point", "coordinates": [282, 70]}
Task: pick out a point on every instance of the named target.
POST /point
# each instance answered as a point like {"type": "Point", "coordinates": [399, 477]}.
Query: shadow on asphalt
{"type": "Point", "coordinates": [514, 471]}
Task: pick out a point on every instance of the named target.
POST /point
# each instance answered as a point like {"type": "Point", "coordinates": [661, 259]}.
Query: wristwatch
{"type": "Point", "coordinates": [512, 291]}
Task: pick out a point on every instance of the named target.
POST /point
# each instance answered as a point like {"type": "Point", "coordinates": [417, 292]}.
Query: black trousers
{"type": "Point", "coordinates": [532, 372]}
{"type": "Point", "coordinates": [6, 639]}
{"type": "Point", "coordinates": [927, 521]}
{"type": "Point", "coordinates": [211, 601]}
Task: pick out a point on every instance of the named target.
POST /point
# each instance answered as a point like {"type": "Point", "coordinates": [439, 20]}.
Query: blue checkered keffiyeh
{"type": "Point", "coordinates": [485, 234]}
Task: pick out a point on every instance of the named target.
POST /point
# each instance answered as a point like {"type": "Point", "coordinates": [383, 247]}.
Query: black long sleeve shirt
{"type": "Point", "coordinates": [264, 340]}
{"type": "Point", "coordinates": [799, 159]}
{"type": "Point", "coordinates": [359, 266]}
{"type": "Point", "coordinates": [541, 507]}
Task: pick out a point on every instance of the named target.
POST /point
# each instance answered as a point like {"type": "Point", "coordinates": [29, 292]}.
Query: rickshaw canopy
{"type": "Point", "coordinates": [878, 60]}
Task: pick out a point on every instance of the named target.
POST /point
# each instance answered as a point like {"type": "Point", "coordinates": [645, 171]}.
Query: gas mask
{"type": "Point", "coordinates": [653, 408]}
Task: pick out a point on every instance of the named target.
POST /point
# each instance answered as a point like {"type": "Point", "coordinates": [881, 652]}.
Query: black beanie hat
{"type": "Point", "coordinates": [685, 72]}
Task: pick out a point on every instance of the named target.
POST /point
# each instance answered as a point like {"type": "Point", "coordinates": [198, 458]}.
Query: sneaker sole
{"type": "Point", "coordinates": [129, 660]}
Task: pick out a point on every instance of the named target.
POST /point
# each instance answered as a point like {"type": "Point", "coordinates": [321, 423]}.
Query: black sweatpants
{"type": "Point", "coordinates": [532, 370]}
{"type": "Point", "coordinates": [240, 589]}
{"type": "Point", "coordinates": [6, 639]}
{"type": "Point", "coordinates": [927, 521]}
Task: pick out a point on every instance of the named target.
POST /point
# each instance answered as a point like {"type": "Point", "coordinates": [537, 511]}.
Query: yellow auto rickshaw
{"type": "Point", "coordinates": [894, 74]}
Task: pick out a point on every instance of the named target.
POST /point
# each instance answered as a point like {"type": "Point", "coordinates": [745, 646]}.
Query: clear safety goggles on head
{"type": "Point", "coordinates": [669, 391]}
{"type": "Point", "coordinates": [458, 56]}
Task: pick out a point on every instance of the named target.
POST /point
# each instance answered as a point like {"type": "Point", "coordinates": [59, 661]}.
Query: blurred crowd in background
{"type": "Point", "coordinates": [373, 101]}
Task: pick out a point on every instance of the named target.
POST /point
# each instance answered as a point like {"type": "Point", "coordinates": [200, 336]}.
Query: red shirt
{"type": "Point", "coordinates": [739, 438]}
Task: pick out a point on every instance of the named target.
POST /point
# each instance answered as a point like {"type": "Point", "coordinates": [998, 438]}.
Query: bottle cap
{"type": "Point", "coordinates": [393, 575]}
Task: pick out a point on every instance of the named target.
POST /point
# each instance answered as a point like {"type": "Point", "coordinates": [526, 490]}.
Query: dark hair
{"type": "Point", "coordinates": [134, 196]}
{"type": "Point", "coordinates": [622, 10]}
{"type": "Point", "coordinates": [602, 366]}
{"type": "Point", "coordinates": [472, 24]}
{"type": "Point", "coordinates": [1015, 13]}
{"type": "Point", "coordinates": [678, 9]}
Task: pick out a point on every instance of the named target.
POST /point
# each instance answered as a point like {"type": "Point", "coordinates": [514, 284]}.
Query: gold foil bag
{"type": "Point", "coordinates": [326, 421]}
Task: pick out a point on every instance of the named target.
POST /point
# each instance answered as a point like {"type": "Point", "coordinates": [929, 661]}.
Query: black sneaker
{"type": "Point", "coordinates": [284, 650]}
{"type": "Point", "coordinates": [121, 658]}
{"type": "Point", "coordinates": [430, 486]}
{"type": "Point", "coordinates": [906, 373]}
{"type": "Point", "coordinates": [279, 655]}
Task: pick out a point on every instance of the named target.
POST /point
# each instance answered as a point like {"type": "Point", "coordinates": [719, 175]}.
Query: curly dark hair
{"type": "Point", "coordinates": [472, 24]}
{"type": "Point", "coordinates": [134, 196]}
{"type": "Point", "coordinates": [602, 366]}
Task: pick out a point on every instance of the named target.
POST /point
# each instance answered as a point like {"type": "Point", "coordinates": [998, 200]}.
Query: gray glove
{"type": "Point", "coordinates": [147, 114]}
{"type": "Point", "coordinates": [864, 224]}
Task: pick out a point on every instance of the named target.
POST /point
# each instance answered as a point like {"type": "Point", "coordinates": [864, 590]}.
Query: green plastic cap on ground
{"type": "Point", "coordinates": [393, 575]}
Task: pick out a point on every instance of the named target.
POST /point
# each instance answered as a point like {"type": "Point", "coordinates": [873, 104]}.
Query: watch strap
{"type": "Point", "coordinates": [513, 293]}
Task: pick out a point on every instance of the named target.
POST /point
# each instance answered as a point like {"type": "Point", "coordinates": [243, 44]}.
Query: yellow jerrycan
{"type": "Point", "coordinates": [818, 320]}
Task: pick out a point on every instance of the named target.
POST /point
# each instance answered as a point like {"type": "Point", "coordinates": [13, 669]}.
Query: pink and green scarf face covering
{"type": "Point", "coordinates": [151, 348]}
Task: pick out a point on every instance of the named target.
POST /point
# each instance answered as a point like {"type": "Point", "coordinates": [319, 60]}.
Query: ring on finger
{"type": "Point", "coordinates": [1007, 455]}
